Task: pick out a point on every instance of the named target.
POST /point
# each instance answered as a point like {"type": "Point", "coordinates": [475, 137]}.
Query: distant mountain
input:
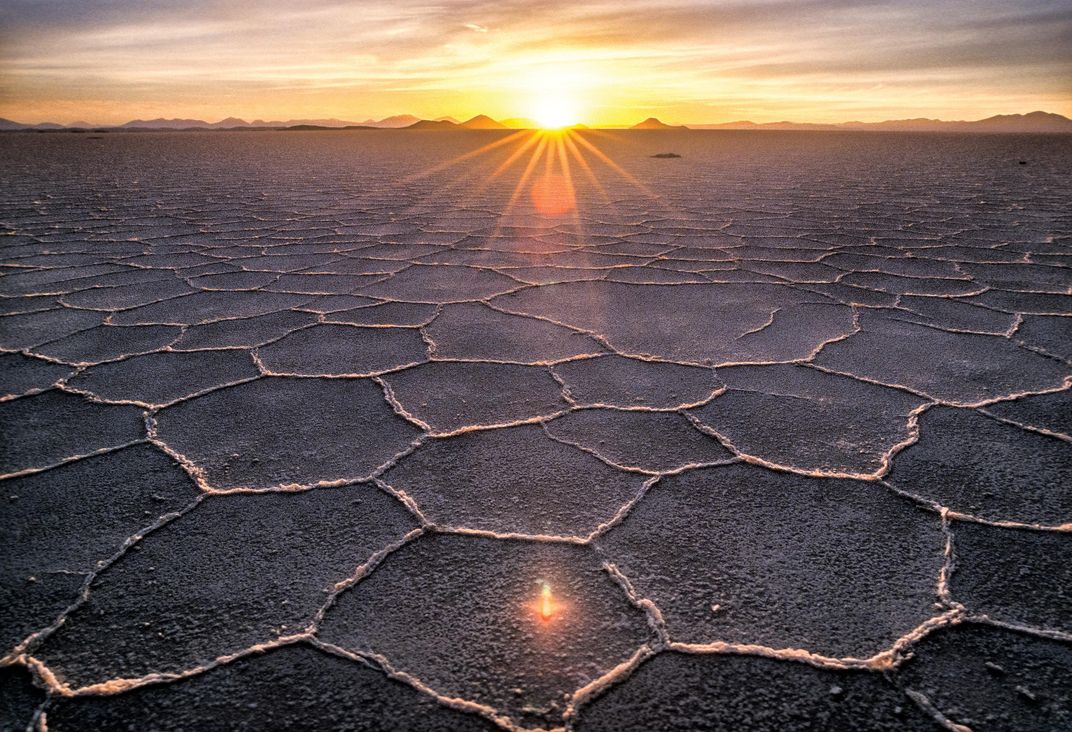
{"type": "Point", "coordinates": [231, 123]}
{"type": "Point", "coordinates": [653, 124]}
{"type": "Point", "coordinates": [330, 122]}
{"type": "Point", "coordinates": [7, 124]}
{"type": "Point", "coordinates": [1031, 122]}
{"type": "Point", "coordinates": [318, 127]}
{"type": "Point", "coordinates": [749, 125]}
{"type": "Point", "coordinates": [1034, 122]}
{"type": "Point", "coordinates": [164, 124]}
{"type": "Point", "coordinates": [432, 124]}
{"type": "Point", "coordinates": [398, 120]}
{"type": "Point", "coordinates": [482, 122]}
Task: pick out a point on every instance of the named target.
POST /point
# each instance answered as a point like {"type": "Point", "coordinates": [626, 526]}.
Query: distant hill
{"type": "Point", "coordinates": [482, 122]}
{"type": "Point", "coordinates": [7, 124]}
{"type": "Point", "coordinates": [432, 124]}
{"type": "Point", "coordinates": [1033, 122]}
{"type": "Point", "coordinates": [653, 124]}
{"type": "Point", "coordinates": [749, 125]}
{"type": "Point", "coordinates": [235, 122]}
{"type": "Point", "coordinates": [398, 120]}
{"type": "Point", "coordinates": [321, 127]}
{"type": "Point", "coordinates": [282, 123]}
{"type": "Point", "coordinates": [165, 124]}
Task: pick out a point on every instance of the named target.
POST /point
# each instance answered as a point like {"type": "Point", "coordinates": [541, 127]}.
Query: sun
{"type": "Point", "coordinates": [555, 92]}
{"type": "Point", "coordinates": [554, 111]}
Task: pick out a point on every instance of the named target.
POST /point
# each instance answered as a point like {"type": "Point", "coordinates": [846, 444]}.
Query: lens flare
{"type": "Point", "coordinates": [547, 160]}
{"type": "Point", "coordinates": [547, 607]}
{"type": "Point", "coordinates": [551, 195]}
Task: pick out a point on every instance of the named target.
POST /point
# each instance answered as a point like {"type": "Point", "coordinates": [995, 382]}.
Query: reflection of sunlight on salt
{"type": "Point", "coordinates": [546, 607]}
{"type": "Point", "coordinates": [545, 601]}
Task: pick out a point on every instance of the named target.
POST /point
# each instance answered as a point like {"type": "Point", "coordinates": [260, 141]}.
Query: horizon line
{"type": "Point", "coordinates": [483, 121]}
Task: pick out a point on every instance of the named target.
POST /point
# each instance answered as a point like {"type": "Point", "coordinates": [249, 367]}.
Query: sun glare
{"type": "Point", "coordinates": [553, 112]}
{"type": "Point", "coordinates": [552, 94]}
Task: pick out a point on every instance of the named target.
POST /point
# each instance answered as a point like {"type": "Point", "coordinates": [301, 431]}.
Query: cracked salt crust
{"type": "Point", "coordinates": [356, 336]}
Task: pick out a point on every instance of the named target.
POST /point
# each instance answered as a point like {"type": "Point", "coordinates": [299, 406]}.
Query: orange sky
{"type": "Point", "coordinates": [603, 62]}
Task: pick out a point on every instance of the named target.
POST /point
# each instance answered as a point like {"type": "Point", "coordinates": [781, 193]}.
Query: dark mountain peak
{"type": "Point", "coordinates": [231, 122]}
{"type": "Point", "coordinates": [652, 123]}
{"type": "Point", "coordinates": [161, 123]}
{"type": "Point", "coordinates": [431, 124]}
{"type": "Point", "coordinates": [482, 122]}
{"type": "Point", "coordinates": [398, 120]}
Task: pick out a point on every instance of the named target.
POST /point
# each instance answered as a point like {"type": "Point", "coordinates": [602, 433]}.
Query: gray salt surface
{"type": "Point", "coordinates": [160, 378]}
{"type": "Point", "coordinates": [477, 332]}
{"type": "Point", "coordinates": [954, 367]}
{"type": "Point", "coordinates": [107, 343]}
{"type": "Point", "coordinates": [53, 426]}
{"type": "Point", "coordinates": [804, 406]}
{"type": "Point", "coordinates": [336, 350]}
{"type": "Point", "coordinates": [446, 603]}
{"type": "Point", "coordinates": [513, 480]}
{"type": "Point", "coordinates": [807, 419]}
{"type": "Point", "coordinates": [451, 396]}
{"type": "Point", "coordinates": [1050, 413]}
{"type": "Point", "coordinates": [625, 383]}
{"type": "Point", "coordinates": [51, 550]}
{"type": "Point", "coordinates": [195, 590]}
{"type": "Point", "coordinates": [842, 568]}
{"type": "Point", "coordinates": [1015, 576]}
{"type": "Point", "coordinates": [677, 691]}
{"type": "Point", "coordinates": [276, 431]}
{"type": "Point", "coordinates": [243, 333]}
{"type": "Point", "coordinates": [993, 679]}
{"type": "Point", "coordinates": [977, 465]}
{"type": "Point", "coordinates": [21, 374]}
{"type": "Point", "coordinates": [293, 688]}
{"type": "Point", "coordinates": [19, 698]}
{"type": "Point", "coordinates": [651, 441]}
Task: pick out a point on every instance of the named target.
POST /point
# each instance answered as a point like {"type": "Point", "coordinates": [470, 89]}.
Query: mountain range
{"type": "Point", "coordinates": [230, 123]}
{"type": "Point", "coordinates": [1033, 122]}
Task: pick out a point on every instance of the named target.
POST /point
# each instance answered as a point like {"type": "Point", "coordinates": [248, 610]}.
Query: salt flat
{"type": "Point", "coordinates": [298, 426]}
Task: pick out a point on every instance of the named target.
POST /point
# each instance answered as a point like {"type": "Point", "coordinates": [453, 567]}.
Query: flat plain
{"type": "Point", "coordinates": [480, 430]}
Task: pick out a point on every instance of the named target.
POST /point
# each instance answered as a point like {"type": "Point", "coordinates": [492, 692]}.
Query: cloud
{"type": "Point", "coordinates": [785, 57]}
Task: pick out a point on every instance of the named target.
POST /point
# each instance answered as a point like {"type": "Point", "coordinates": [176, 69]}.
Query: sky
{"type": "Point", "coordinates": [595, 61]}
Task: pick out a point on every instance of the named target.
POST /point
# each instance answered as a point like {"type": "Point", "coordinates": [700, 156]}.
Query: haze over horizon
{"type": "Point", "coordinates": [599, 63]}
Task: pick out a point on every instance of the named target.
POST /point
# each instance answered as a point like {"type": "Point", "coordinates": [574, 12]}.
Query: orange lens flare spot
{"type": "Point", "coordinates": [552, 195]}
{"type": "Point", "coordinates": [546, 604]}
